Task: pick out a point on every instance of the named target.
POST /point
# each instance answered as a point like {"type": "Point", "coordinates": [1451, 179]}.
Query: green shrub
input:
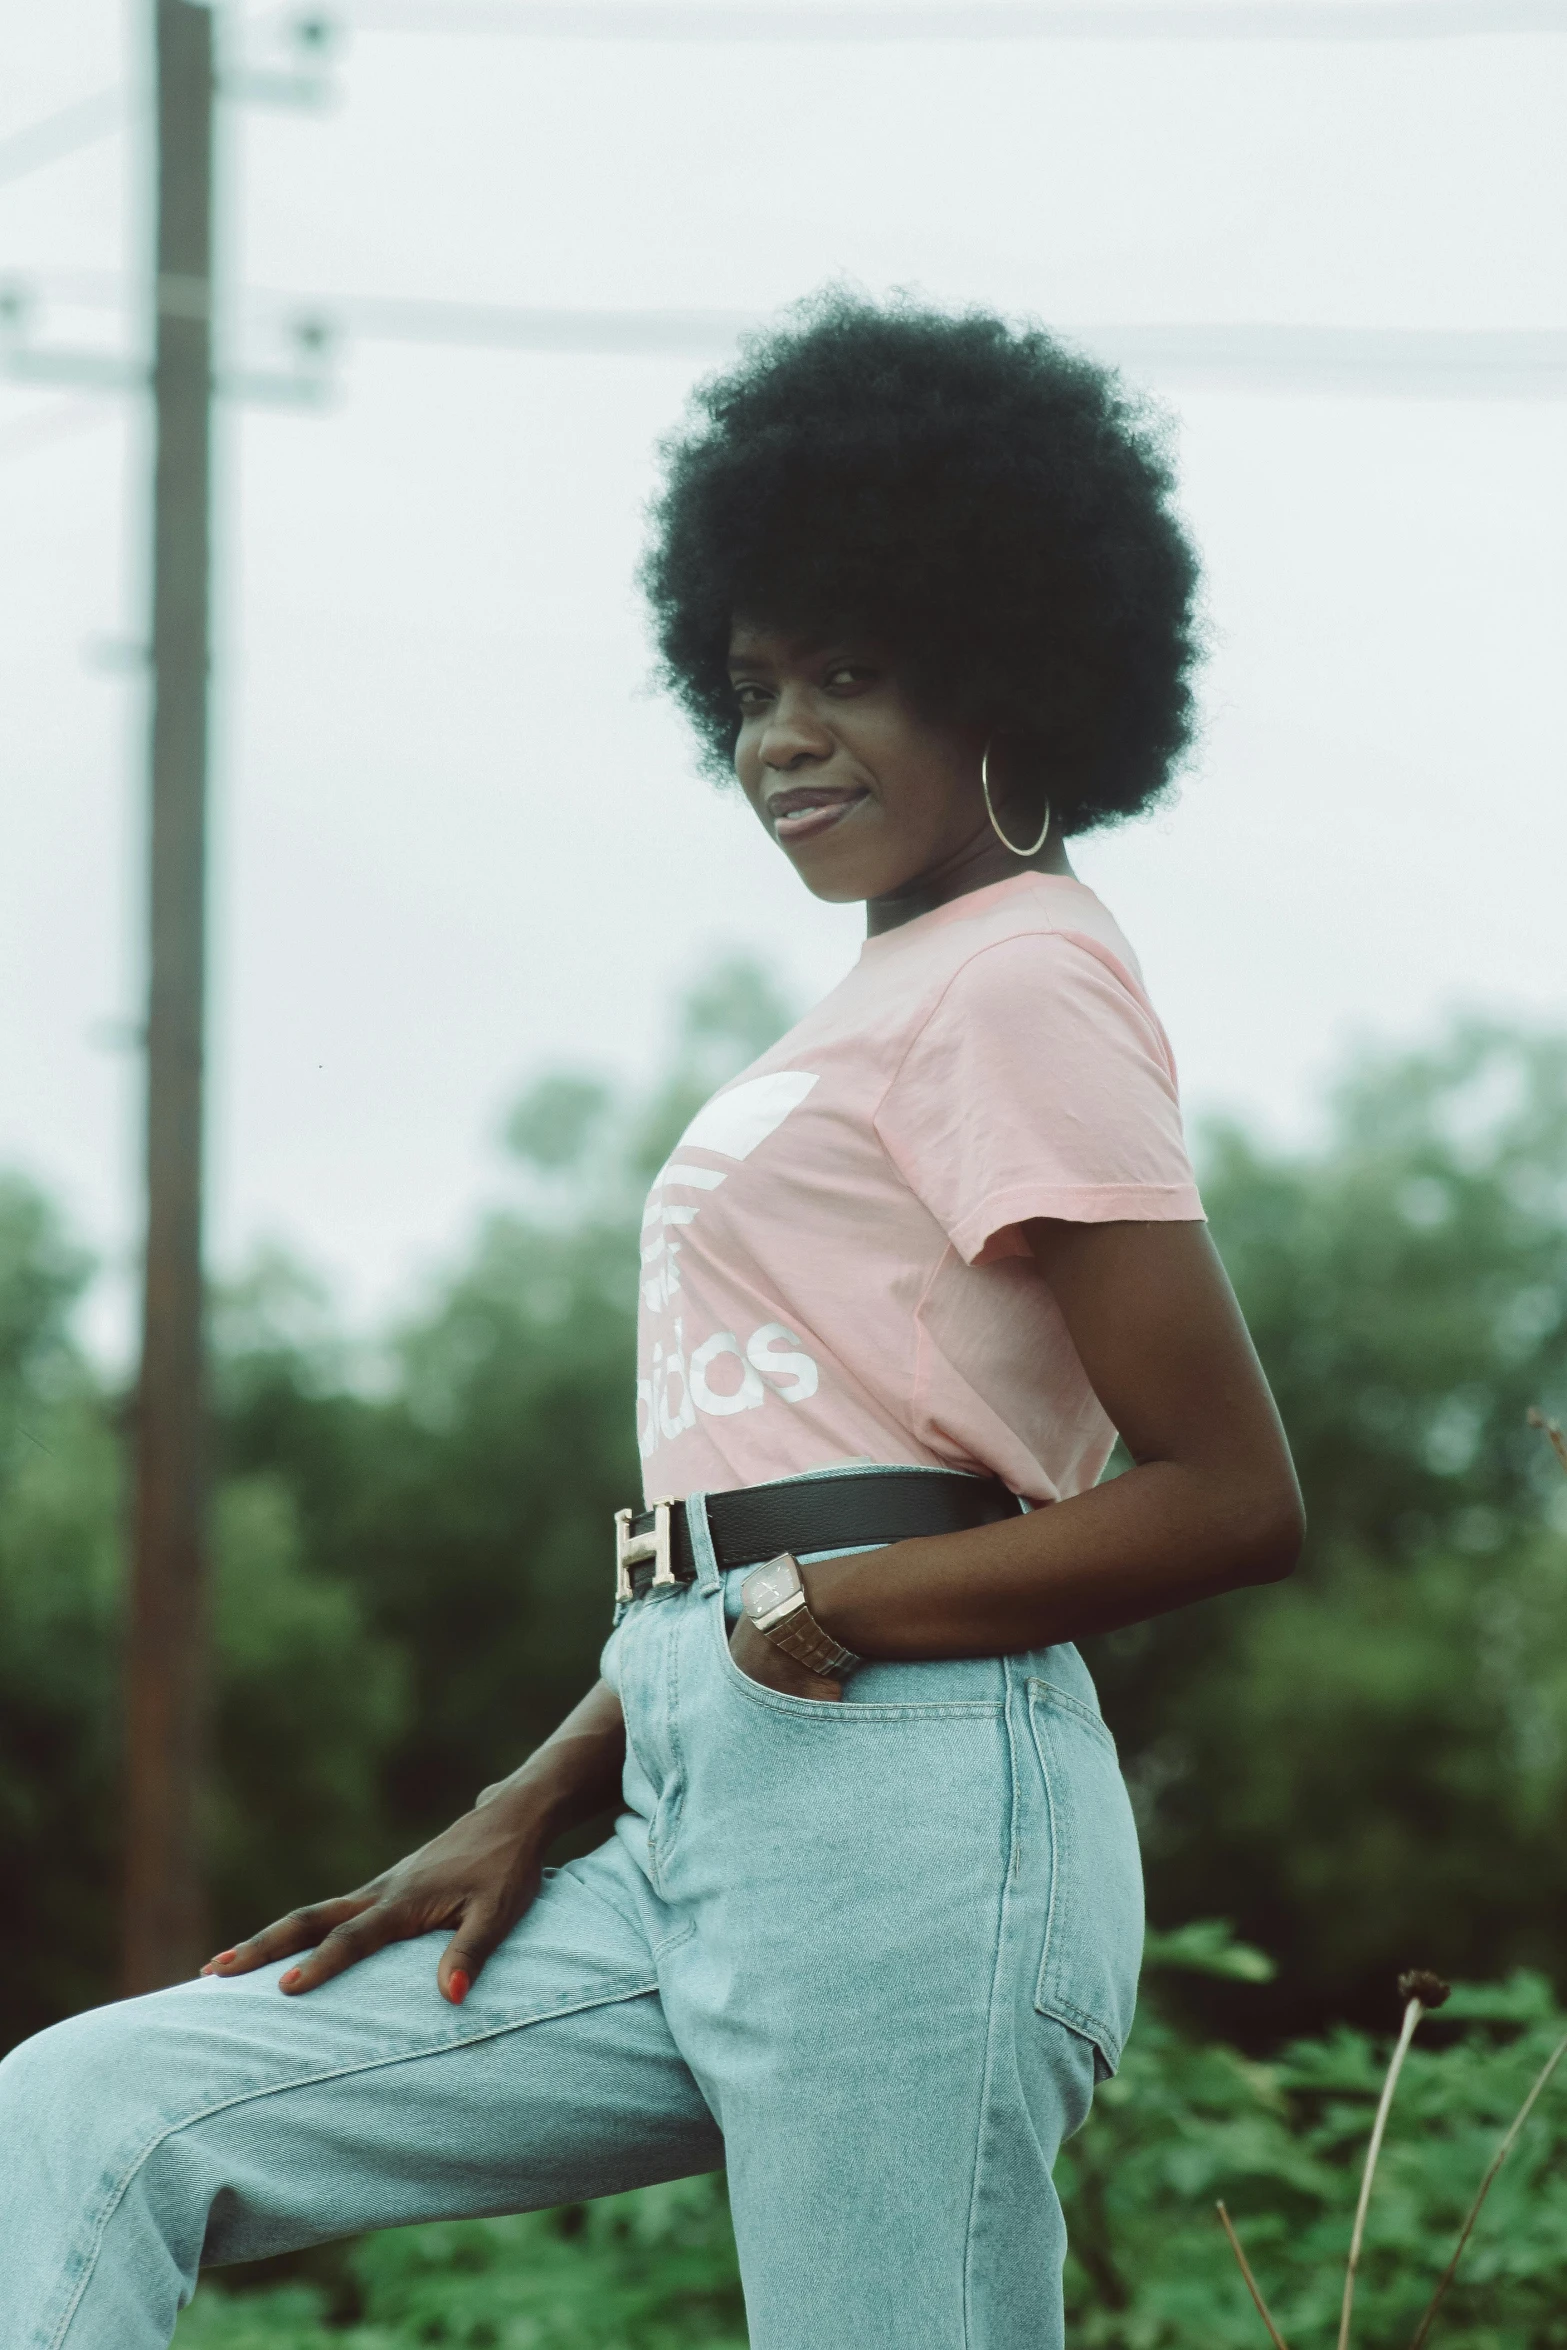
{"type": "Point", "coordinates": [1187, 2123]}
{"type": "Point", "coordinates": [653, 2270]}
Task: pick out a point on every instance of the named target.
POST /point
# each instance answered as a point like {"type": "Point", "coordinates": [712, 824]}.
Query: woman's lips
{"type": "Point", "coordinates": [804, 818]}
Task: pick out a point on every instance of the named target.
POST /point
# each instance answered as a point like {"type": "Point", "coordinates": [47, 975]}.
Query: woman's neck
{"type": "Point", "coordinates": [982, 862]}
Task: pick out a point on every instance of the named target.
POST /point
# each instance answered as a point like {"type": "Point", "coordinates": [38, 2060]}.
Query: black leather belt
{"type": "Point", "coordinates": [756, 1522]}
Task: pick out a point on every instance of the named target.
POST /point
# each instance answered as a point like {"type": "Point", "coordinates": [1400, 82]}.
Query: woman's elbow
{"type": "Point", "coordinates": [1273, 1533]}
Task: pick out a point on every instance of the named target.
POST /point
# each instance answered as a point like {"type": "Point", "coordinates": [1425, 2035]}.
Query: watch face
{"type": "Point", "coordinates": [768, 1587]}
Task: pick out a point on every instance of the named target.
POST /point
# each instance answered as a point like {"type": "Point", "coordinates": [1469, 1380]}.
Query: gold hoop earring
{"type": "Point", "coordinates": [990, 811]}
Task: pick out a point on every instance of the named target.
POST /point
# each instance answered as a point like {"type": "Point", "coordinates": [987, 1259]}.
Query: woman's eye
{"type": "Point", "coordinates": [848, 673]}
{"type": "Point", "coordinates": [750, 697]}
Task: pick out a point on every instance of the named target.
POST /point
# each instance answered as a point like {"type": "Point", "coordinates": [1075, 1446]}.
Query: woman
{"type": "Point", "coordinates": [868, 1927]}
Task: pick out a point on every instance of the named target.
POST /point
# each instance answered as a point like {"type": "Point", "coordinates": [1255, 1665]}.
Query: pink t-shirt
{"type": "Point", "coordinates": [831, 1263]}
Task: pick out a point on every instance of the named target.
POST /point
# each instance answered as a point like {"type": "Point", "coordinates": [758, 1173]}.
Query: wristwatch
{"type": "Point", "coordinates": [773, 1596]}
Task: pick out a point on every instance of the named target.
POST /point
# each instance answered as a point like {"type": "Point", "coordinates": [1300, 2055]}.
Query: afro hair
{"type": "Point", "coordinates": [991, 507]}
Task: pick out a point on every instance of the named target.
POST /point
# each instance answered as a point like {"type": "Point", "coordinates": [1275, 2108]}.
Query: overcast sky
{"type": "Point", "coordinates": [456, 839]}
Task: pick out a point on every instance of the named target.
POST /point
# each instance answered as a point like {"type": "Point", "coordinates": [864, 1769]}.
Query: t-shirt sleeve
{"type": "Point", "coordinates": [1041, 1084]}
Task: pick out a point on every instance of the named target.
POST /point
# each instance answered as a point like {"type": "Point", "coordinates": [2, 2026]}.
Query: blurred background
{"type": "Point", "coordinates": [480, 938]}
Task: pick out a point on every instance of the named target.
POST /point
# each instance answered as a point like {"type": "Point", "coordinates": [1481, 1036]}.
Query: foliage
{"type": "Point", "coordinates": [1408, 1287]}
{"type": "Point", "coordinates": [411, 1580]}
{"type": "Point", "coordinates": [655, 2268]}
{"type": "Point", "coordinates": [1384, 1771]}
{"type": "Point", "coordinates": [469, 1508]}
{"type": "Point", "coordinates": [1186, 2122]}
{"type": "Point", "coordinates": [1367, 1763]}
{"type": "Point", "coordinates": [310, 1698]}
{"type": "Point", "coordinates": [59, 1578]}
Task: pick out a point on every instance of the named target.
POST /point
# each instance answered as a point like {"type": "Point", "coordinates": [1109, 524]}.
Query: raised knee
{"type": "Point", "coordinates": [81, 2080]}
{"type": "Point", "coordinates": [91, 2221]}
{"type": "Point", "coordinates": [51, 2076]}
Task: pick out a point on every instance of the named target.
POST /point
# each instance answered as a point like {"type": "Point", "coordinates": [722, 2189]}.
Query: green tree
{"type": "Point", "coordinates": [1369, 1763]}
{"type": "Point", "coordinates": [308, 1697]}
{"type": "Point", "coordinates": [59, 1613]}
{"type": "Point", "coordinates": [469, 1508]}
{"type": "Point", "coordinates": [311, 1704]}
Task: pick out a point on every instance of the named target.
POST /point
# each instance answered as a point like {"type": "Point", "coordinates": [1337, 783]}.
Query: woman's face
{"type": "Point", "coordinates": [863, 794]}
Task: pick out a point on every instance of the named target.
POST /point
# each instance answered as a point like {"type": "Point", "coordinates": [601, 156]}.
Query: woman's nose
{"type": "Point", "coordinates": [793, 734]}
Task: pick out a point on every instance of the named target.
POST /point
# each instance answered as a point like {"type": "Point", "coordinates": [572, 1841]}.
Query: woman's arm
{"type": "Point", "coordinates": [1210, 1504]}
{"type": "Point", "coordinates": [477, 1876]}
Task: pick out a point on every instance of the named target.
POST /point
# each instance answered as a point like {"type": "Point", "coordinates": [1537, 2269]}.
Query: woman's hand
{"type": "Point", "coordinates": [761, 1660]}
{"type": "Point", "coordinates": [477, 1876]}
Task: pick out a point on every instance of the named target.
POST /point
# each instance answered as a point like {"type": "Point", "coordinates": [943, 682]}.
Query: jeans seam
{"type": "Point", "coordinates": [338, 2072]}
{"type": "Point", "coordinates": [672, 1802]}
{"type": "Point", "coordinates": [624, 1917]}
{"type": "Point", "coordinates": [1047, 2000]}
{"type": "Point", "coordinates": [1051, 1694]}
{"type": "Point", "coordinates": [987, 2076]}
{"type": "Point", "coordinates": [1051, 1815]}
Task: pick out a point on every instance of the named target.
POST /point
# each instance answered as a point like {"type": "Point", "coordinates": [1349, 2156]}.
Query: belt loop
{"type": "Point", "coordinates": [702, 1554]}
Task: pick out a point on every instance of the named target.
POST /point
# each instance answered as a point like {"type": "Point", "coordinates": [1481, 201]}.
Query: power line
{"type": "Point", "coordinates": [1467, 363]}
{"type": "Point", "coordinates": [87, 120]}
{"type": "Point", "coordinates": [966, 20]}
{"type": "Point", "coordinates": [1414, 362]}
{"type": "Point", "coordinates": [480, 326]}
{"type": "Point", "coordinates": [79, 125]}
{"type": "Point", "coordinates": [1410, 362]}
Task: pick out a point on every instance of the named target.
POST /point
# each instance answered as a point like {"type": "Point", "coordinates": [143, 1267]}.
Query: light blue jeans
{"type": "Point", "coordinates": [870, 1956]}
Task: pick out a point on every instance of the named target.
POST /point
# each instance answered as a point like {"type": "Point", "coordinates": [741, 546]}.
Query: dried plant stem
{"type": "Point", "coordinates": [1497, 2160]}
{"type": "Point", "coordinates": [1412, 2014]}
{"type": "Point", "coordinates": [1554, 1436]}
{"type": "Point", "coordinates": [1278, 2340]}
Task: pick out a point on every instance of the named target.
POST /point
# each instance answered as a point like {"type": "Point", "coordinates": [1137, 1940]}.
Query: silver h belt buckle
{"type": "Point", "coordinates": [632, 1549]}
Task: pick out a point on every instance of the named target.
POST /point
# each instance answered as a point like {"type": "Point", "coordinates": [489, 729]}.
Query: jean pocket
{"type": "Point", "coordinates": [905, 1692]}
{"type": "Point", "coordinates": [1094, 1922]}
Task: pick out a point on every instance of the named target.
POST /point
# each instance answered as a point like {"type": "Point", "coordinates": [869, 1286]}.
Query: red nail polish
{"type": "Point", "coordinates": [287, 1982]}
{"type": "Point", "coordinates": [457, 1986]}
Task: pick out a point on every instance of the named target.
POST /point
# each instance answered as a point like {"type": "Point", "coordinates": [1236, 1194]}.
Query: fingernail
{"type": "Point", "coordinates": [457, 1986]}
{"type": "Point", "coordinates": [287, 1982]}
{"type": "Point", "coordinates": [222, 1958]}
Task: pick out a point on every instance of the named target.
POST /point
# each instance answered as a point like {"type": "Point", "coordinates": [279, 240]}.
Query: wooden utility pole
{"type": "Point", "coordinates": [166, 1643]}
